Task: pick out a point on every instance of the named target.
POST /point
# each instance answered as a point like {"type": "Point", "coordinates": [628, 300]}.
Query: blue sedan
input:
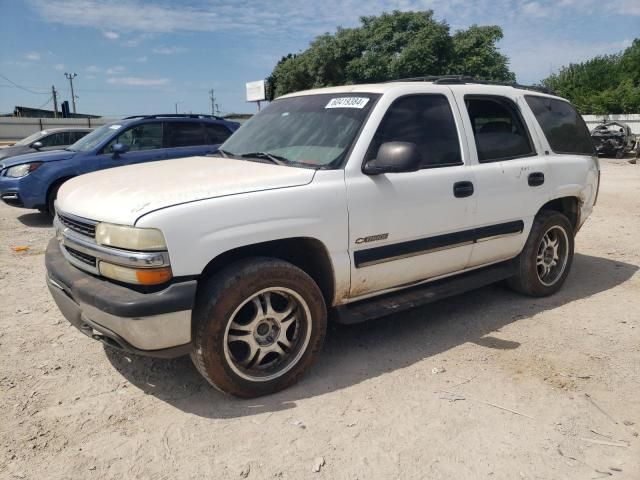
{"type": "Point", "coordinates": [33, 180]}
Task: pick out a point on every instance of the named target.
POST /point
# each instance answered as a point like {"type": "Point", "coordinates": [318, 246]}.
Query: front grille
{"type": "Point", "coordinates": [84, 228]}
{"type": "Point", "coordinates": [83, 257]}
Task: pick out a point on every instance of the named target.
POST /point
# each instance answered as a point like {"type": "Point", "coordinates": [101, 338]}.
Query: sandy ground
{"type": "Point", "coordinates": [523, 388]}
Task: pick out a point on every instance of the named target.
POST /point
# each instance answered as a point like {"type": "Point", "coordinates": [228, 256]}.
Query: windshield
{"type": "Point", "coordinates": [95, 138]}
{"type": "Point", "coordinates": [310, 130]}
{"type": "Point", "coordinates": [31, 138]}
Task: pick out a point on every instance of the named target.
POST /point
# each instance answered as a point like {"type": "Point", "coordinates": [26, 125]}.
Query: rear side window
{"type": "Point", "coordinates": [215, 133]}
{"type": "Point", "coordinates": [563, 126]}
{"type": "Point", "coordinates": [498, 129]}
{"type": "Point", "coordinates": [425, 120]}
{"type": "Point", "coordinates": [184, 134]}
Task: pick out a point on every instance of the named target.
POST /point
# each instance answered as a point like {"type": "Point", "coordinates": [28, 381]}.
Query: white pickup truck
{"type": "Point", "coordinates": [350, 202]}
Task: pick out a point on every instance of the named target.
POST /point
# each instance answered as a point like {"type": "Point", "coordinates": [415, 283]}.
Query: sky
{"type": "Point", "coordinates": [141, 56]}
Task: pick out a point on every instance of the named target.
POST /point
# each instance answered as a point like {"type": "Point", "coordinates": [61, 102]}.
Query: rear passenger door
{"type": "Point", "coordinates": [510, 173]}
{"type": "Point", "coordinates": [186, 139]}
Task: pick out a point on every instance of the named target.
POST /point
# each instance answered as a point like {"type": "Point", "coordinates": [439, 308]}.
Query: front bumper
{"type": "Point", "coordinates": [12, 198]}
{"type": "Point", "coordinates": [19, 192]}
{"type": "Point", "coordinates": [154, 324]}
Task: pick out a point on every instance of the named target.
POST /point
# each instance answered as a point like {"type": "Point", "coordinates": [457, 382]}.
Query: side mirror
{"type": "Point", "coordinates": [119, 149]}
{"type": "Point", "coordinates": [36, 145]}
{"type": "Point", "coordinates": [394, 157]}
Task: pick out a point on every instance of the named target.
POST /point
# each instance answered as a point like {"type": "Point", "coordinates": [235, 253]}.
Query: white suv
{"type": "Point", "coordinates": [359, 201]}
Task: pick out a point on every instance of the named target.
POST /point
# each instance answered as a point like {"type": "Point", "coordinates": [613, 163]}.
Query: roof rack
{"type": "Point", "coordinates": [175, 115]}
{"type": "Point", "coordinates": [464, 79]}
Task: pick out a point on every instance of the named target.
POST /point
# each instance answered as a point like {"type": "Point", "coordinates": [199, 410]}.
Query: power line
{"type": "Point", "coordinates": [45, 103]}
{"type": "Point", "coordinates": [23, 88]}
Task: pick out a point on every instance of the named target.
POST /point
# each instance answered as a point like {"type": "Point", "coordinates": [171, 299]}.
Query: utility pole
{"type": "Point", "coordinates": [212, 97]}
{"type": "Point", "coordinates": [70, 77]}
{"type": "Point", "coordinates": [54, 94]}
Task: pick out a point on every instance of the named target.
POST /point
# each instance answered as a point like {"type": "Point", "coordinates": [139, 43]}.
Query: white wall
{"type": "Point", "coordinates": [15, 128]}
{"type": "Point", "coordinates": [633, 120]}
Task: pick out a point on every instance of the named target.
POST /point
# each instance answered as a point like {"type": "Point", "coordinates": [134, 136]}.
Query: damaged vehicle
{"type": "Point", "coordinates": [613, 139]}
{"type": "Point", "coordinates": [350, 202]}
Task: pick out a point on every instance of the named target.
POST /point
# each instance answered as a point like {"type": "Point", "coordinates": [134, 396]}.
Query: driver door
{"type": "Point", "coordinates": [408, 227]}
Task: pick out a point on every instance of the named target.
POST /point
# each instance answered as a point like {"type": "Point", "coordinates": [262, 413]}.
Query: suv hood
{"type": "Point", "coordinates": [123, 194]}
{"type": "Point", "coordinates": [49, 156]}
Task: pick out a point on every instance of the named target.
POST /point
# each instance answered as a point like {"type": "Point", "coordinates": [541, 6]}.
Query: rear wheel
{"type": "Point", "coordinates": [546, 258]}
{"type": "Point", "coordinates": [258, 327]}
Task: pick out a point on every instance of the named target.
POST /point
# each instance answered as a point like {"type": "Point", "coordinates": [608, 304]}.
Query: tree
{"type": "Point", "coordinates": [607, 84]}
{"type": "Point", "coordinates": [391, 46]}
{"type": "Point", "coordinates": [476, 54]}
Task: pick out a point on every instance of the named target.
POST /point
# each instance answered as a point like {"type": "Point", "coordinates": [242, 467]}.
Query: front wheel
{"type": "Point", "coordinates": [258, 327]}
{"type": "Point", "coordinates": [547, 256]}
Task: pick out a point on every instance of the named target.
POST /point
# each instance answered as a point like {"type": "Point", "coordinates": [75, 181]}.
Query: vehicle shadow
{"type": "Point", "coordinates": [36, 219]}
{"type": "Point", "coordinates": [356, 353]}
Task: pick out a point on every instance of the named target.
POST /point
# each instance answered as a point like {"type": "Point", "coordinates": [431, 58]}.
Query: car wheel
{"type": "Point", "coordinates": [546, 258]}
{"type": "Point", "coordinates": [51, 199]}
{"type": "Point", "coordinates": [259, 325]}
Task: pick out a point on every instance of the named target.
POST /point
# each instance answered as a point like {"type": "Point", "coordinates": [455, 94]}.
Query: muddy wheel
{"type": "Point", "coordinates": [546, 258]}
{"type": "Point", "coordinates": [259, 325]}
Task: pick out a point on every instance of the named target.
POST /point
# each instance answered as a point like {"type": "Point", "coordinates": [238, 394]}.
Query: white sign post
{"type": "Point", "coordinates": [256, 92]}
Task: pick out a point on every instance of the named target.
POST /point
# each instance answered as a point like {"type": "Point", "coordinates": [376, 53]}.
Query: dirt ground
{"type": "Point", "coordinates": [488, 385]}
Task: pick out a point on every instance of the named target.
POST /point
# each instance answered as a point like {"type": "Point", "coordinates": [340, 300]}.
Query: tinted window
{"type": "Point", "coordinates": [75, 136]}
{"type": "Point", "coordinates": [564, 128]}
{"type": "Point", "coordinates": [425, 120]}
{"type": "Point", "coordinates": [184, 134]}
{"type": "Point", "coordinates": [60, 138]}
{"type": "Point", "coordinates": [215, 134]}
{"type": "Point", "coordinates": [498, 129]}
{"type": "Point", "coordinates": [147, 136]}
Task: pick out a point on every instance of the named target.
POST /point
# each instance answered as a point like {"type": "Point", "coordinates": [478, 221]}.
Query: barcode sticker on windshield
{"type": "Point", "coordinates": [347, 102]}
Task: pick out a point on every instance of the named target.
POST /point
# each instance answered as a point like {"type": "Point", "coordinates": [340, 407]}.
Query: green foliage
{"type": "Point", "coordinates": [476, 54]}
{"type": "Point", "coordinates": [390, 46]}
{"type": "Point", "coordinates": [608, 84]}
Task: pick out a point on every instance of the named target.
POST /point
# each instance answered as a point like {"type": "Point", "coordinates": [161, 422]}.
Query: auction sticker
{"type": "Point", "coordinates": [347, 102]}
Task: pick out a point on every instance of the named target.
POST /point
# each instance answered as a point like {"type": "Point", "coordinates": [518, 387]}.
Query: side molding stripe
{"type": "Point", "coordinates": [396, 251]}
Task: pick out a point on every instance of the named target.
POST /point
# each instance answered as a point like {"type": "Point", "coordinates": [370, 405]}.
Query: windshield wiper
{"type": "Point", "coordinates": [277, 159]}
{"type": "Point", "coordinates": [224, 153]}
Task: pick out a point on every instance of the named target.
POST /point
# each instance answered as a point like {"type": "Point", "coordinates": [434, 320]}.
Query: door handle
{"type": "Point", "coordinates": [462, 189]}
{"type": "Point", "coordinates": [536, 179]}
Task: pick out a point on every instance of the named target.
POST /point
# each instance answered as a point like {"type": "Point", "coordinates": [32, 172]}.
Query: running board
{"type": "Point", "coordinates": [420, 295]}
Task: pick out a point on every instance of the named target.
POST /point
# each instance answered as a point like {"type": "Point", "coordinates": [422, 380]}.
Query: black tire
{"type": "Point", "coordinates": [223, 299]}
{"type": "Point", "coordinates": [529, 279]}
{"type": "Point", "coordinates": [51, 198]}
{"type": "Point", "coordinates": [620, 153]}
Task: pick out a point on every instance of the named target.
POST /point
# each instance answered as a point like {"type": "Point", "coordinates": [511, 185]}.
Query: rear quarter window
{"type": "Point", "coordinates": [562, 125]}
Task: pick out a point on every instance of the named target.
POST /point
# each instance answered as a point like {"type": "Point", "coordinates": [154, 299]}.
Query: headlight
{"type": "Point", "coordinates": [130, 238]}
{"type": "Point", "coordinates": [22, 170]}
